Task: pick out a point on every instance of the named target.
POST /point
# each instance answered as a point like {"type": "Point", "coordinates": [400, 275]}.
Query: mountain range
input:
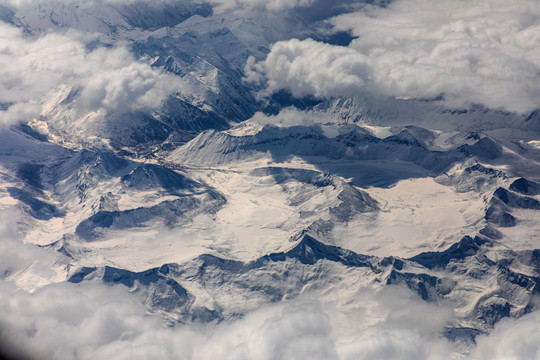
{"type": "Point", "coordinates": [262, 225]}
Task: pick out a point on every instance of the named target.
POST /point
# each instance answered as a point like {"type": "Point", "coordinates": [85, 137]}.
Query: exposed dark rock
{"type": "Point", "coordinates": [526, 187]}
{"type": "Point", "coordinates": [460, 250]}
{"type": "Point", "coordinates": [496, 214]}
{"type": "Point", "coordinates": [516, 201]}
{"type": "Point", "coordinates": [37, 208]}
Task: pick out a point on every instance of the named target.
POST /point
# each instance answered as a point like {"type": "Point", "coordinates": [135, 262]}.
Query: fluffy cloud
{"type": "Point", "coordinates": [288, 117]}
{"type": "Point", "coordinates": [309, 67]}
{"type": "Point", "coordinates": [511, 339]}
{"type": "Point", "coordinates": [291, 116]}
{"type": "Point", "coordinates": [484, 52]}
{"type": "Point", "coordinates": [108, 81]}
{"type": "Point", "coordinates": [93, 321]}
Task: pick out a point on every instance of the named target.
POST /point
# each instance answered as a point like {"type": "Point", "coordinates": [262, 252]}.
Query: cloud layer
{"type": "Point", "coordinates": [485, 52]}
{"type": "Point", "coordinates": [309, 68]}
{"type": "Point", "coordinates": [107, 81]}
{"type": "Point", "coordinates": [511, 339]}
{"type": "Point", "coordinates": [93, 321]}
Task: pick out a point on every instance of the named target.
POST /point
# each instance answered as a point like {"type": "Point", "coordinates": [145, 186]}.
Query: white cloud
{"type": "Point", "coordinates": [309, 67]}
{"type": "Point", "coordinates": [486, 52]}
{"type": "Point", "coordinates": [16, 256]}
{"type": "Point", "coordinates": [94, 321]}
{"type": "Point", "coordinates": [107, 80]}
{"type": "Point", "coordinates": [19, 112]}
{"type": "Point", "coordinates": [511, 339]}
{"type": "Point", "coordinates": [288, 117]}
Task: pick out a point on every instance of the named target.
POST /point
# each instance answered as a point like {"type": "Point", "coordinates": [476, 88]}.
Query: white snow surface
{"type": "Point", "coordinates": [416, 216]}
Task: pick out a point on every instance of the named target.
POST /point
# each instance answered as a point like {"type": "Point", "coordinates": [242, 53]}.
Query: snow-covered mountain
{"type": "Point", "coordinates": [157, 173]}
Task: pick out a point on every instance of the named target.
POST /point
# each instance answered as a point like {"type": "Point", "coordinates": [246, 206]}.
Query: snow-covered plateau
{"type": "Point", "coordinates": [240, 179]}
